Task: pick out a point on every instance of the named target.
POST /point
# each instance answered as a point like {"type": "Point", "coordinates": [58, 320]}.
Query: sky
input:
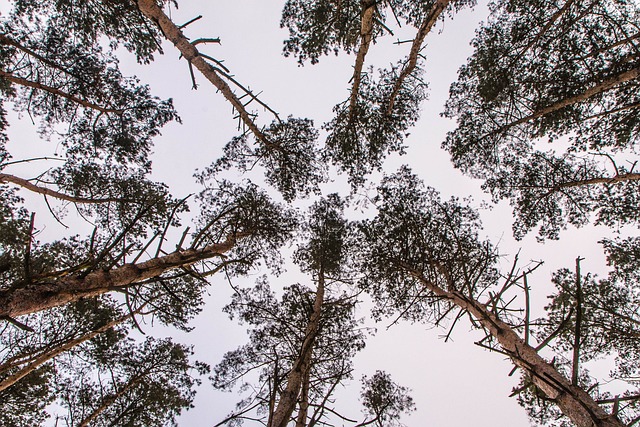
{"type": "Point", "coordinates": [454, 383]}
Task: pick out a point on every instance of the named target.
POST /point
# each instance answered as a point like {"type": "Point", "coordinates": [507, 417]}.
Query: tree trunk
{"type": "Point", "coordinates": [601, 87]}
{"type": "Point", "coordinates": [41, 296]}
{"type": "Point", "coordinates": [416, 46]}
{"type": "Point", "coordinates": [45, 357]}
{"type": "Point", "coordinates": [172, 32]}
{"type": "Point", "coordinates": [303, 410]}
{"type": "Point", "coordinates": [366, 35]}
{"type": "Point", "coordinates": [574, 402]}
{"type": "Point", "coordinates": [110, 400]}
{"type": "Point", "coordinates": [289, 396]}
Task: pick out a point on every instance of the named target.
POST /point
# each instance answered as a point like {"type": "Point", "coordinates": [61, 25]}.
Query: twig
{"type": "Point", "coordinates": [576, 341]}
{"type": "Point", "coordinates": [189, 22]}
{"type": "Point", "coordinates": [27, 254]}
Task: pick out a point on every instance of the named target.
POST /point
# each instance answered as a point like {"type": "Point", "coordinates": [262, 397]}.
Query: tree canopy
{"type": "Point", "coordinates": [303, 224]}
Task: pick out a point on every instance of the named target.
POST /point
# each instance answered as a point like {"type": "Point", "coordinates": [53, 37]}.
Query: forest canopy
{"type": "Point", "coordinates": [300, 217]}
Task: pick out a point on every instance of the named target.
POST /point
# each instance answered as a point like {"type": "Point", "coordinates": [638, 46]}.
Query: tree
{"type": "Point", "coordinates": [147, 386]}
{"type": "Point", "coordinates": [563, 72]}
{"type": "Point", "coordinates": [547, 71]}
{"type": "Point", "coordinates": [303, 344]}
{"type": "Point", "coordinates": [424, 260]}
{"type": "Point", "coordinates": [81, 359]}
{"type": "Point", "coordinates": [58, 71]}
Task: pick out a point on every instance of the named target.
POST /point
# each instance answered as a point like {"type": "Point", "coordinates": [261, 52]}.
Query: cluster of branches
{"type": "Point", "coordinates": [68, 305]}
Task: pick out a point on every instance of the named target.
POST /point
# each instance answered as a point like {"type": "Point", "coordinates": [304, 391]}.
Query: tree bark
{"type": "Point", "coordinates": [289, 396]}
{"type": "Point", "coordinates": [45, 357]}
{"type": "Point", "coordinates": [24, 183]}
{"type": "Point", "coordinates": [301, 420]}
{"type": "Point", "coordinates": [172, 32]}
{"type": "Point", "coordinates": [35, 297]}
{"type": "Point", "coordinates": [601, 87]}
{"type": "Point", "coordinates": [366, 35]}
{"type": "Point", "coordinates": [574, 402]}
{"type": "Point", "coordinates": [110, 400]}
{"type": "Point", "coordinates": [425, 28]}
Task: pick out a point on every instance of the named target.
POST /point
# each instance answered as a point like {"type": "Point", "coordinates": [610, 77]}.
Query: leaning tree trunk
{"type": "Point", "coordinates": [574, 402]}
{"type": "Point", "coordinates": [40, 296]}
{"type": "Point", "coordinates": [49, 355]}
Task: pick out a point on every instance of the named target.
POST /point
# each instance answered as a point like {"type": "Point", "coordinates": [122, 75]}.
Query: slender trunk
{"type": "Point", "coordinates": [577, 334]}
{"type": "Point", "coordinates": [304, 399]}
{"type": "Point", "coordinates": [289, 396]}
{"type": "Point", "coordinates": [56, 91]}
{"type": "Point", "coordinates": [601, 87]}
{"type": "Point", "coordinates": [544, 30]}
{"type": "Point", "coordinates": [574, 402]}
{"type": "Point", "coordinates": [583, 182]}
{"type": "Point", "coordinates": [425, 28]}
{"type": "Point", "coordinates": [45, 357]}
{"type": "Point", "coordinates": [601, 180]}
{"type": "Point", "coordinates": [39, 296]}
{"type": "Point", "coordinates": [366, 35]}
{"type": "Point", "coordinates": [109, 400]}
{"type": "Point", "coordinates": [172, 32]}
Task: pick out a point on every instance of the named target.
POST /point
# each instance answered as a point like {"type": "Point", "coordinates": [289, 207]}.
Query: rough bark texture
{"type": "Point", "coordinates": [301, 420]}
{"type": "Point", "coordinates": [289, 396]}
{"type": "Point", "coordinates": [574, 402]}
{"type": "Point", "coordinates": [366, 35]}
{"type": "Point", "coordinates": [40, 296]}
{"type": "Point", "coordinates": [172, 32]}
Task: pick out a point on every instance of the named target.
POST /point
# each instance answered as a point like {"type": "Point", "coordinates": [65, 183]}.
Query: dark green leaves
{"type": "Point", "coordinates": [246, 213]}
{"type": "Point", "coordinates": [361, 137]}
{"type": "Point", "coordinates": [384, 400]}
{"type": "Point", "coordinates": [415, 233]}
{"type": "Point", "coordinates": [288, 153]}
{"type": "Point", "coordinates": [326, 247]}
{"type": "Point", "coordinates": [563, 72]}
{"type": "Point", "coordinates": [320, 27]}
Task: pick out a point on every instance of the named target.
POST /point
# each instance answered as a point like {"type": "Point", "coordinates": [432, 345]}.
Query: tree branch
{"type": "Point", "coordinates": [43, 295]}
{"type": "Point", "coordinates": [366, 35]}
{"type": "Point", "coordinates": [428, 23]}
{"type": "Point", "coordinates": [58, 92]}
{"type": "Point", "coordinates": [24, 183]}
{"type": "Point", "coordinates": [172, 32]}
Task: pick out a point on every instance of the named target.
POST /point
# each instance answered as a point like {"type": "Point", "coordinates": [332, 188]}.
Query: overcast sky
{"type": "Point", "coordinates": [454, 384]}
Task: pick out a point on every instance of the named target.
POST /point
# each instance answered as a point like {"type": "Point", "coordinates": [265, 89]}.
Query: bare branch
{"type": "Point", "coordinates": [151, 10]}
